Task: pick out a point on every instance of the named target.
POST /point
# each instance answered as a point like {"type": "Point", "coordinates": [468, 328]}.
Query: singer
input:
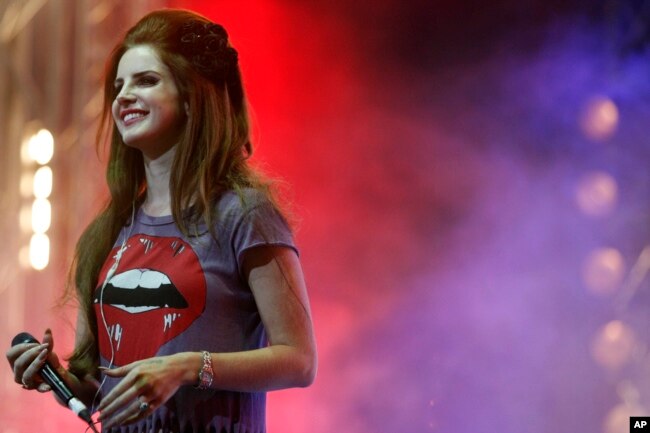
{"type": "Point", "coordinates": [192, 298]}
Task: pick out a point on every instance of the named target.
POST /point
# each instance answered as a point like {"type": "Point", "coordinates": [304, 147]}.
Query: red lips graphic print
{"type": "Point", "coordinates": [155, 294]}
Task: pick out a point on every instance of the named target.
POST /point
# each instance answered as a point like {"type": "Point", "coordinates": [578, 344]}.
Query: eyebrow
{"type": "Point", "coordinates": [136, 75]}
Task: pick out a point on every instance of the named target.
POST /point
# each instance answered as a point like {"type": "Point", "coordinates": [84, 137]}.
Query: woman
{"type": "Point", "coordinates": [193, 302]}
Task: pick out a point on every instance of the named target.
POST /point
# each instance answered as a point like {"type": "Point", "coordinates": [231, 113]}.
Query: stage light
{"type": "Point", "coordinates": [597, 193]}
{"type": "Point", "coordinates": [41, 147]}
{"type": "Point", "coordinates": [618, 419]}
{"type": "Point", "coordinates": [603, 271]}
{"type": "Point", "coordinates": [599, 119]}
{"type": "Point", "coordinates": [39, 251]}
{"type": "Point", "coordinates": [36, 184]}
{"type": "Point", "coordinates": [41, 215]}
{"type": "Point", "coordinates": [42, 184]}
{"type": "Point", "coordinates": [613, 345]}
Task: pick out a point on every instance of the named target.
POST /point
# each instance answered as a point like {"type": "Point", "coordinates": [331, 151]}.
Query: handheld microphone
{"type": "Point", "coordinates": [59, 387]}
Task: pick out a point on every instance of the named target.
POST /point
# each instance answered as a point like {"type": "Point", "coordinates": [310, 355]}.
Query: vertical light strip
{"type": "Point", "coordinates": [39, 251]}
{"type": "Point", "coordinates": [38, 152]}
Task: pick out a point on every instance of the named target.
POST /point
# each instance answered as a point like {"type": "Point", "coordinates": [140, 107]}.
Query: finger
{"type": "Point", "coordinates": [119, 371]}
{"type": "Point", "coordinates": [16, 351]}
{"type": "Point", "coordinates": [120, 387]}
{"type": "Point", "coordinates": [119, 397]}
{"type": "Point", "coordinates": [113, 372]}
{"type": "Point", "coordinates": [24, 360]}
{"type": "Point", "coordinates": [31, 377]}
{"type": "Point", "coordinates": [48, 339]}
{"type": "Point", "coordinates": [52, 358]}
{"type": "Point", "coordinates": [130, 414]}
{"type": "Point", "coordinates": [144, 409]}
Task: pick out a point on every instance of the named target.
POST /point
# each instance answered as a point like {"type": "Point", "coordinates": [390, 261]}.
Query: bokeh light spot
{"type": "Point", "coordinates": [41, 215]}
{"type": "Point", "coordinates": [603, 271]}
{"type": "Point", "coordinates": [39, 251]}
{"type": "Point", "coordinates": [597, 194]}
{"type": "Point", "coordinates": [41, 147]}
{"type": "Point", "coordinates": [43, 182]}
{"type": "Point", "coordinates": [617, 420]}
{"type": "Point", "coordinates": [613, 345]}
{"type": "Point", "coordinates": [599, 118]}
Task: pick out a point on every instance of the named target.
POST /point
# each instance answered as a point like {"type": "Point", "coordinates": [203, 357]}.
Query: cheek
{"type": "Point", "coordinates": [115, 110]}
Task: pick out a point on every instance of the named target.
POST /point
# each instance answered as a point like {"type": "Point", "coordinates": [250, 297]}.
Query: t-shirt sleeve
{"type": "Point", "coordinates": [261, 225]}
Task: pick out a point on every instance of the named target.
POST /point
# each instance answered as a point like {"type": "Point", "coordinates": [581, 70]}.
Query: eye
{"type": "Point", "coordinates": [147, 81]}
{"type": "Point", "coordinates": [116, 90]}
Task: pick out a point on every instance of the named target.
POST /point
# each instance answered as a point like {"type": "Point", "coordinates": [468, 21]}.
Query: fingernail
{"type": "Point", "coordinates": [100, 368]}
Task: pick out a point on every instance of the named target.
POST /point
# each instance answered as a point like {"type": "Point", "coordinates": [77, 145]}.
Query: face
{"type": "Point", "coordinates": [147, 110]}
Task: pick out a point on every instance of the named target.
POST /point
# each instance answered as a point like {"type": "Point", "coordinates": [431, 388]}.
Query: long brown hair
{"type": "Point", "coordinates": [211, 157]}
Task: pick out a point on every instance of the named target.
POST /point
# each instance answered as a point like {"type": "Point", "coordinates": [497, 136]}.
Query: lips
{"type": "Point", "coordinates": [139, 290]}
{"type": "Point", "coordinates": [157, 292]}
{"type": "Point", "coordinates": [131, 116]}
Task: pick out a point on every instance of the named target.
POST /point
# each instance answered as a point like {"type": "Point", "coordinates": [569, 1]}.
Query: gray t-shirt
{"type": "Point", "coordinates": [172, 293]}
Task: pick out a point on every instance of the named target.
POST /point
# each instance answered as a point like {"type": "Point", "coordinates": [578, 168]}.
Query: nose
{"type": "Point", "coordinates": [125, 97]}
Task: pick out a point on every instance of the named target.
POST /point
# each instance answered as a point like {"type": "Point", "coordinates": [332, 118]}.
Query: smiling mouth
{"type": "Point", "coordinates": [130, 118]}
{"type": "Point", "coordinates": [140, 290]}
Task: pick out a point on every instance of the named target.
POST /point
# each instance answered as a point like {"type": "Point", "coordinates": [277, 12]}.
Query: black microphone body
{"type": "Point", "coordinates": [59, 387]}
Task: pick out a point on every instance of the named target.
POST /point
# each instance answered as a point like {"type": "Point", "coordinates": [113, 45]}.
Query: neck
{"type": "Point", "coordinates": [158, 174]}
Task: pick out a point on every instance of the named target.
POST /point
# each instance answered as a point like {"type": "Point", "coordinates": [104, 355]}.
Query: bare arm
{"type": "Point", "coordinates": [276, 280]}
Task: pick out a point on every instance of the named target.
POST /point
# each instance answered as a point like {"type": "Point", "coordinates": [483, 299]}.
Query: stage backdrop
{"type": "Point", "coordinates": [470, 191]}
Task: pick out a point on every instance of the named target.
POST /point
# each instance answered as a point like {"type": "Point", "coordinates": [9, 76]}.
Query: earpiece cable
{"type": "Point", "coordinates": [109, 275]}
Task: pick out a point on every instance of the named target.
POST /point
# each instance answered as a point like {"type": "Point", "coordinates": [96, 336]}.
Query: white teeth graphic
{"type": "Point", "coordinates": [142, 278]}
{"type": "Point", "coordinates": [132, 116]}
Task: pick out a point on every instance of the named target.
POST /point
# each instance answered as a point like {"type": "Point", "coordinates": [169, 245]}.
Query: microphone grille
{"type": "Point", "coordinates": [23, 337]}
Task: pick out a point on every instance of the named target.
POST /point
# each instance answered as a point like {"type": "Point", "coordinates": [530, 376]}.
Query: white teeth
{"type": "Point", "coordinates": [132, 116]}
{"type": "Point", "coordinates": [143, 278]}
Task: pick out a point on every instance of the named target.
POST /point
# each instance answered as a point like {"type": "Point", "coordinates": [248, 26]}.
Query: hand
{"type": "Point", "coordinates": [27, 359]}
{"type": "Point", "coordinates": [146, 385]}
